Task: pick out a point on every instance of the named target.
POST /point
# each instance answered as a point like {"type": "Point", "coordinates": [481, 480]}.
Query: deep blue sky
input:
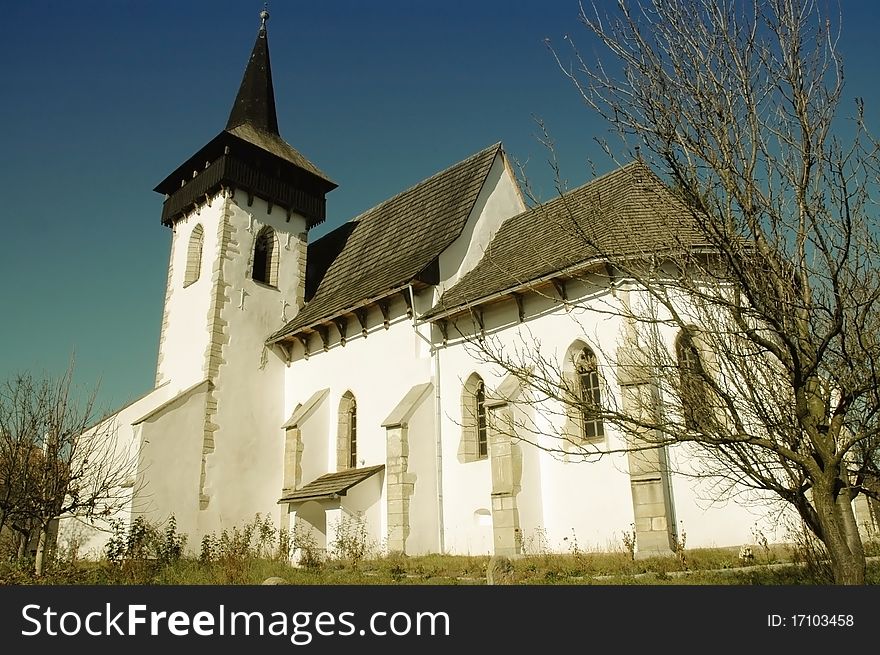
{"type": "Point", "coordinates": [101, 100]}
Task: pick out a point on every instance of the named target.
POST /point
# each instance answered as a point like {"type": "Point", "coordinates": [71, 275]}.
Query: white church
{"type": "Point", "coordinates": [320, 381]}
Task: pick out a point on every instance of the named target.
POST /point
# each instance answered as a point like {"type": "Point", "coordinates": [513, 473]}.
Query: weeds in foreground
{"type": "Point", "coordinates": [145, 554]}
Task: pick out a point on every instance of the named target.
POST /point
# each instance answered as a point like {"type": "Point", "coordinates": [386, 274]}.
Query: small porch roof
{"type": "Point", "coordinates": [330, 485]}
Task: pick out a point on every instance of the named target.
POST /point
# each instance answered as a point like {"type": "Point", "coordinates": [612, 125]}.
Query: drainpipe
{"type": "Point", "coordinates": [435, 352]}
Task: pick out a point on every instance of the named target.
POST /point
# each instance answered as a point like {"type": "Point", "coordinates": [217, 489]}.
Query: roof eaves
{"type": "Point", "coordinates": [284, 332]}
{"type": "Point", "coordinates": [438, 312]}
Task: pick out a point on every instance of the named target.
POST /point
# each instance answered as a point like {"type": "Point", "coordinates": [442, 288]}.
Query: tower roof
{"type": "Point", "coordinates": [249, 154]}
{"type": "Point", "coordinates": [255, 103]}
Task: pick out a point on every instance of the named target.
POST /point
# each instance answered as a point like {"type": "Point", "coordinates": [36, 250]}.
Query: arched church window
{"type": "Point", "coordinates": [692, 383]}
{"type": "Point", "coordinates": [194, 255]}
{"type": "Point", "coordinates": [347, 428]}
{"type": "Point", "coordinates": [589, 393]}
{"type": "Point", "coordinates": [474, 425]}
{"type": "Point", "coordinates": [480, 408]}
{"type": "Point", "coordinates": [265, 267]}
{"type": "Point", "coordinates": [352, 434]}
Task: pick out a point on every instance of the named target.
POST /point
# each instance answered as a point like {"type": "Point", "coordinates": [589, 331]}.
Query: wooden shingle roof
{"type": "Point", "coordinates": [626, 212]}
{"type": "Point", "coordinates": [330, 485]}
{"type": "Point", "coordinates": [395, 242]}
{"type": "Point", "coordinates": [273, 143]}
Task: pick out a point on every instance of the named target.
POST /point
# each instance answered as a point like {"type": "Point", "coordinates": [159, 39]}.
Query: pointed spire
{"type": "Point", "coordinates": [255, 103]}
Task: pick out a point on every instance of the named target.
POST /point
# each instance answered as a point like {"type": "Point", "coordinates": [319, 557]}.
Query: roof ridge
{"type": "Point", "coordinates": [496, 146]}
{"type": "Point", "coordinates": [596, 180]}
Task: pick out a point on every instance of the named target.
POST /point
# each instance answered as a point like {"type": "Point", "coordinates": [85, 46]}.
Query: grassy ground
{"type": "Point", "coordinates": [773, 566]}
{"type": "Point", "coordinates": [142, 554]}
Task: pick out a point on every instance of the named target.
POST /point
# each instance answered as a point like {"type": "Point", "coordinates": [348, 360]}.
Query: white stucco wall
{"type": "Point", "coordinates": [170, 463]}
{"type": "Point", "coordinates": [243, 473]}
{"type": "Point", "coordinates": [563, 503]}
{"type": "Point", "coordinates": [378, 370]}
{"type": "Point", "coordinates": [314, 431]}
{"type": "Point", "coordinates": [184, 336]}
{"type": "Point", "coordinates": [423, 509]}
{"type": "Point", "coordinates": [125, 441]}
{"type": "Point", "coordinates": [498, 200]}
{"type": "Point", "coordinates": [560, 502]}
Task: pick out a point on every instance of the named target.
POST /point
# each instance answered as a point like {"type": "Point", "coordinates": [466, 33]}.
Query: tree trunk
{"type": "Point", "coordinates": [844, 546]}
{"type": "Point", "coordinates": [22, 546]}
{"type": "Point", "coordinates": [41, 549]}
{"type": "Point", "coordinates": [848, 516]}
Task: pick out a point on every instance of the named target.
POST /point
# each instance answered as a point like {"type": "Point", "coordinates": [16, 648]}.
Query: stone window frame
{"type": "Point", "coordinates": [581, 425]}
{"type": "Point", "coordinates": [265, 256]}
{"type": "Point", "coordinates": [474, 443]}
{"type": "Point", "coordinates": [194, 255]}
{"type": "Point", "coordinates": [346, 433]}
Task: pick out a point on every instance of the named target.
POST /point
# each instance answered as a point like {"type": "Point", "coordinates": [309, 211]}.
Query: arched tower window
{"type": "Point", "coordinates": [194, 255]}
{"type": "Point", "coordinates": [692, 383]}
{"type": "Point", "coordinates": [346, 441]}
{"type": "Point", "coordinates": [474, 425]}
{"type": "Point", "coordinates": [266, 253]}
{"type": "Point", "coordinates": [583, 392]}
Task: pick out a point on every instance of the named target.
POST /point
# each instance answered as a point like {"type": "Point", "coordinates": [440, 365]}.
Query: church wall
{"type": "Point", "coordinates": [530, 504]}
{"type": "Point", "coordinates": [584, 504]}
{"type": "Point", "coordinates": [92, 536]}
{"type": "Point", "coordinates": [364, 510]}
{"type": "Point", "coordinates": [560, 501]}
{"type": "Point", "coordinates": [316, 445]}
{"type": "Point", "coordinates": [498, 200]}
{"type": "Point", "coordinates": [183, 339]}
{"type": "Point", "coordinates": [172, 447]}
{"type": "Point", "coordinates": [708, 521]}
{"type": "Point", "coordinates": [423, 512]}
{"type": "Point", "coordinates": [378, 370]}
{"type": "Point", "coordinates": [709, 513]}
{"type": "Point", "coordinates": [243, 446]}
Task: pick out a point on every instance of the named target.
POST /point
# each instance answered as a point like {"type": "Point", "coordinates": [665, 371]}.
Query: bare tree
{"type": "Point", "coordinates": [752, 316]}
{"type": "Point", "coordinates": [57, 459]}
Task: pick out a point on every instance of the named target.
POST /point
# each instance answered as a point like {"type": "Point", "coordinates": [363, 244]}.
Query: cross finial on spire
{"type": "Point", "coordinates": [264, 16]}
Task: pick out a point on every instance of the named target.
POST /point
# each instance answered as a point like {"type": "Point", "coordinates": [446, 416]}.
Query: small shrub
{"type": "Point", "coordinates": [806, 549]}
{"type": "Point", "coordinates": [352, 542]}
{"type": "Point", "coordinates": [629, 541]}
{"type": "Point", "coordinates": [678, 547]}
{"type": "Point", "coordinates": [305, 544]}
{"type": "Point", "coordinates": [169, 548]}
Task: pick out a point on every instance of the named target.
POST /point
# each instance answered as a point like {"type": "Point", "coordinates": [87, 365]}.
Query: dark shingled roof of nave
{"type": "Point", "coordinates": [391, 244]}
{"type": "Point", "coordinates": [627, 211]}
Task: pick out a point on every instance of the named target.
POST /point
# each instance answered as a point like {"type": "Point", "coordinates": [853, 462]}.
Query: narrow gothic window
{"type": "Point", "coordinates": [474, 444]}
{"type": "Point", "coordinates": [692, 385]}
{"type": "Point", "coordinates": [590, 394]}
{"type": "Point", "coordinates": [194, 255]}
{"type": "Point", "coordinates": [266, 257]}
{"type": "Point", "coordinates": [352, 434]}
{"type": "Point", "coordinates": [346, 435]}
{"type": "Point", "coordinates": [480, 413]}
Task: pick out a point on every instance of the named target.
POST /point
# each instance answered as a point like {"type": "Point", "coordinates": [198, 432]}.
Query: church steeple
{"type": "Point", "coordinates": [249, 155]}
{"type": "Point", "coordinates": [255, 103]}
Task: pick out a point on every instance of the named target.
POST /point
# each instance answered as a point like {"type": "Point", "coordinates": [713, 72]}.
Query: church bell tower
{"type": "Point", "coordinates": [239, 210]}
